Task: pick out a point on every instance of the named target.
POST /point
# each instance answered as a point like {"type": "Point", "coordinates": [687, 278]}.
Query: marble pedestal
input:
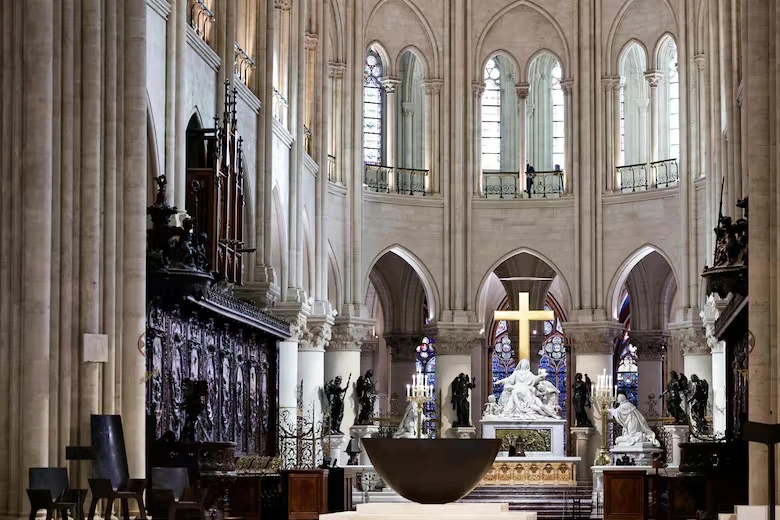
{"type": "Point", "coordinates": [641, 454]}
{"type": "Point", "coordinates": [750, 513]}
{"type": "Point", "coordinates": [542, 438]}
{"type": "Point", "coordinates": [337, 445]}
{"type": "Point", "coordinates": [678, 433]}
{"type": "Point", "coordinates": [361, 432]}
{"type": "Point", "coordinates": [464, 432]}
{"type": "Point", "coordinates": [412, 511]}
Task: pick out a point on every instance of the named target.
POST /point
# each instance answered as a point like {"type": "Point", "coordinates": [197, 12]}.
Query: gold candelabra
{"type": "Point", "coordinates": [420, 393]}
{"type": "Point", "coordinates": [604, 396]}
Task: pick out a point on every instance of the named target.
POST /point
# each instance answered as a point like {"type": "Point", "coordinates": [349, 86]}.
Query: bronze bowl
{"type": "Point", "coordinates": [432, 471]}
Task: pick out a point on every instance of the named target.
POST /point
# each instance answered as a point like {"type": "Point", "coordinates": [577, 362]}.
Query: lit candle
{"type": "Point", "coordinates": [615, 394]}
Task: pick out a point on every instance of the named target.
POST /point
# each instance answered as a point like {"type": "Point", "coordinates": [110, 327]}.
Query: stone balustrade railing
{"type": "Point", "coordinates": [200, 17]}
{"type": "Point", "coordinates": [386, 179]}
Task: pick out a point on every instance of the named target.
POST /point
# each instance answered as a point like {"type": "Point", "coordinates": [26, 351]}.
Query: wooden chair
{"type": "Point", "coordinates": [171, 493]}
{"type": "Point", "coordinates": [49, 491]}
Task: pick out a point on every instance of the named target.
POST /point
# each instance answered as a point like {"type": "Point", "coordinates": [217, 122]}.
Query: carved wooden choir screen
{"type": "Point", "coordinates": [238, 365]}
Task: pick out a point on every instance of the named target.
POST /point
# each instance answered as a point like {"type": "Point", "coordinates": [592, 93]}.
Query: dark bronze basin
{"type": "Point", "coordinates": [432, 471]}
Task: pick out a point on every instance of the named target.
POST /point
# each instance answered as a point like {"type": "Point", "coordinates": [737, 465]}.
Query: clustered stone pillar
{"type": "Point", "coordinates": [650, 345]}
{"type": "Point", "coordinates": [311, 372]}
{"type": "Point", "coordinates": [454, 347]}
{"type": "Point", "coordinates": [593, 350]}
{"type": "Point", "coordinates": [611, 86]}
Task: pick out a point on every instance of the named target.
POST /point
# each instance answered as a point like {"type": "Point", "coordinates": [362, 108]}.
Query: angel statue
{"type": "Point", "coordinates": [581, 392]}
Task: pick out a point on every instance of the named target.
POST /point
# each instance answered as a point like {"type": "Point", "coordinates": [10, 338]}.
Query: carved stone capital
{"type": "Point", "coordinates": [593, 338]}
{"type": "Point", "coordinates": [336, 70]}
{"type": "Point", "coordinates": [654, 77]}
{"type": "Point", "coordinates": [611, 83]}
{"type": "Point", "coordinates": [522, 90]}
{"type": "Point", "coordinates": [284, 5]}
{"type": "Point", "coordinates": [477, 88]}
{"type": "Point", "coordinates": [700, 60]}
{"type": "Point", "coordinates": [402, 345]}
{"type": "Point", "coordinates": [650, 344]}
{"type": "Point", "coordinates": [567, 85]}
{"type": "Point", "coordinates": [432, 86]}
{"type": "Point", "coordinates": [311, 41]}
{"type": "Point", "coordinates": [689, 339]}
{"type": "Point", "coordinates": [349, 336]}
{"type": "Point", "coordinates": [390, 84]}
{"type": "Point", "coordinates": [319, 332]}
{"type": "Point", "coordinates": [296, 314]}
{"type": "Point", "coordinates": [454, 339]}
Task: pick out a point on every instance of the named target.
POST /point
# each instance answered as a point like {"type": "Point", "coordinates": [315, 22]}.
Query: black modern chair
{"type": "Point", "coordinates": [49, 491]}
{"type": "Point", "coordinates": [110, 476]}
{"type": "Point", "coordinates": [171, 493]}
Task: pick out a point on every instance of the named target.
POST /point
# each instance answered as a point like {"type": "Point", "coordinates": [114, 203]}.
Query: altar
{"type": "Point", "coordinates": [538, 438]}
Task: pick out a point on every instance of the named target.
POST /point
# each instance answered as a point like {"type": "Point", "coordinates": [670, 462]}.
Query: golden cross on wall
{"type": "Point", "coordinates": [524, 316]}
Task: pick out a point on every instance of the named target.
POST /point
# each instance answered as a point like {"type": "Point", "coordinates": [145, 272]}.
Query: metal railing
{"type": "Point", "coordinates": [541, 185]}
{"type": "Point", "coordinates": [501, 185]}
{"type": "Point", "coordinates": [242, 63]}
{"type": "Point", "coordinates": [410, 180]}
{"type": "Point", "coordinates": [331, 168]}
{"type": "Point", "coordinates": [200, 17]}
{"type": "Point", "coordinates": [280, 107]}
{"type": "Point", "coordinates": [633, 177]}
{"type": "Point", "coordinates": [666, 173]}
{"type": "Point", "coordinates": [384, 179]}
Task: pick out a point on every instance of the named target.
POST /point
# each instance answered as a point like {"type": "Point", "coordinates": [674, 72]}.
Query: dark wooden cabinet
{"type": "Point", "coordinates": [625, 495]}
{"type": "Point", "coordinates": [306, 493]}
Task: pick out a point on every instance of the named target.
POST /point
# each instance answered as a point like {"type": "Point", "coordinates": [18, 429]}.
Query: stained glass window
{"type": "Point", "coordinates": [372, 109]}
{"type": "Point", "coordinates": [558, 116]}
{"type": "Point", "coordinates": [425, 362]}
{"type": "Point", "coordinates": [627, 370]}
{"type": "Point", "coordinates": [553, 354]}
{"type": "Point", "coordinates": [491, 117]}
{"type": "Point", "coordinates": [503, 356]}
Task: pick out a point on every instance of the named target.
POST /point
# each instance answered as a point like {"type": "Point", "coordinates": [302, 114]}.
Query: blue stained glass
{"type": "Point", "coordinates": [425, 362]}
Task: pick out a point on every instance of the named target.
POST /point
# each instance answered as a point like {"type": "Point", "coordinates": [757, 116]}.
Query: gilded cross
{"type": "Point", "coordinates": [524, 316]}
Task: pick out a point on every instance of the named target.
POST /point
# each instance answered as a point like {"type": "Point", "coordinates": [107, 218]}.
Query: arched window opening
{"type": "Point", "coordinates": [425, 362]}
{"type": "Point", "coordinates": [669, 99]}
{"type": "Point", "coordinates": [557, 118]}
{"type": "Point", "coordinates": [634, 102]}
{"type": "Point", "coordinates": [545, 115]}
{"type": "Point", "coordinates": [627, 371]}
{"type": "Point", "coordinates": [491, 116]}
{"type": "Point", "coordinates": [372, 109]}
{"type": "Point", "coordinates": [411, 113]}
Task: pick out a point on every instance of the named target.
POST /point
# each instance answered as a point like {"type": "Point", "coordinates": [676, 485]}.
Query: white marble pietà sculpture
{"type": "Point", "coordinates": [635, 427]}
{"type": "Point", "coordinates": [525, 396]}
{"type": "Point", "coordinates": [408, 427]}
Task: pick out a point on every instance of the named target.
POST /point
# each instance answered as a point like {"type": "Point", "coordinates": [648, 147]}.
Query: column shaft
{"type": "Point", "coordinates": [288, 406]}
{"type": "Point", "coordinates": [134, 247]}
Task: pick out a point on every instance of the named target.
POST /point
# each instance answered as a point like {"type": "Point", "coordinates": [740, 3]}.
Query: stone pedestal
{"type": "Point", "coordinates": [338, 443]}
{"type": "Point", "coordinates": [677, 433]}
{"type": "Point", "coordinates": [464, 432]}
{"type": "Point", "coordinates": [547, 434]}
{"type": "Point", "coordinates": [361, 432]}
{"type": "Point", "coordinates": [581, 436]}
{"type": "Point", "coordinates": [412, 511]}
{"type": "Point", "coordinates": [639, 454]}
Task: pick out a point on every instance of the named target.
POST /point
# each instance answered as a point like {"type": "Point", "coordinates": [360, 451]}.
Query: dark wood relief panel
{"type": "Point", "coordinates": [238, 365]}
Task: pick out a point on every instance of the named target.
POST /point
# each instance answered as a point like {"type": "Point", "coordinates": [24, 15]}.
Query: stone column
{"type": "Point", "coordinates": [311, 370]}
{"type": "Point", "coordinates": [709, 314]}
{"type": "Point", "coordinates": [407, 111]}
{"type": "Point", "coordinates": [477, 89]}
{"type": "Point", "coordinates": [391, 132]}
{"type": "Point", "coordinates": [677, 433]}
{"type": "Point", "coordinates": [336, 74]}
{"type": "Point", "coordinates": [342, 358]}
{"type": "Point", "coordinates": [651, 347]}
{"type": "Point", "coordinates": [521, 89]}
{"type": "Point", "coordinates": [453, 357]}
{"type": "Point", "coordinates": [592, 349]}
{"type": "Point", "coordinates": [653, 78]}
{"type": "Point", "coordinates": [432, 88]}
{"type": "Point", "coordinates": [644, 145]}
{"type": "Point", "coordinates": [36, 228]}
{"type": "Point", "coordinates": [134, 247]}
{"type": "Point", "coordinates": [581, 435]}
{"type": "Point", "coordinates": [288, 403]}
{"type": "Point", "coordinates": [567, 86]}
{"type": "Point", "coordinates": [611, 84]}
{"type": "Point", "coordinates": [688, 339]}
